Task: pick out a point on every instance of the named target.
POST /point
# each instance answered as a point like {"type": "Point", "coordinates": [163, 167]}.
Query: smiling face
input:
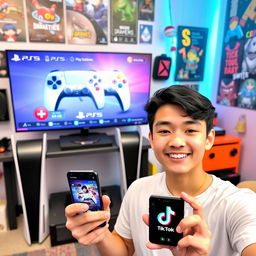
{"type": "Point", "coordinates": [178, 141]}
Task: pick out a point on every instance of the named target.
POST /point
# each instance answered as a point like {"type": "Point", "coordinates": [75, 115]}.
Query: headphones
{"type": "Point", "coordinates": [4, 144]}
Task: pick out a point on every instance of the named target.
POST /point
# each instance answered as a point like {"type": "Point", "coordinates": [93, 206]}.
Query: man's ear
{"type": "Point", "coordinates": [150, 138]}
{"type": "Point", "coordinates": [210, 139]}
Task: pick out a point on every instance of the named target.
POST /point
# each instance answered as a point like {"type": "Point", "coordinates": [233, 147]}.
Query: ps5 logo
{"type": "Point", "coordinates": [165, 218]}
{"type": "Point", "coordinates": [16, 57]}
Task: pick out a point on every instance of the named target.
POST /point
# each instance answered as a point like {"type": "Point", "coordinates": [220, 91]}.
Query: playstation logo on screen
{"type": "Point", "coordinates": [16, 58]}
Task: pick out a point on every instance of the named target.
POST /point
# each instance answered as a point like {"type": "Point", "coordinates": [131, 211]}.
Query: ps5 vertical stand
{"type": "Point", "coordinates": [29, 159]}
{"type": "Point", "coordinates": [130, 150]}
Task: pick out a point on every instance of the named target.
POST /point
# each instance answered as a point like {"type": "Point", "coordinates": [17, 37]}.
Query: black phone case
{"type": "Point", "coordinates": [165, 213]}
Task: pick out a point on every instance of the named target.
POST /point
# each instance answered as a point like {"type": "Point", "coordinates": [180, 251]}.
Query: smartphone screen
{"type": "Point", "coordinates": [165, 213]}
{"type": "Point", "coordinates": [85, 188]}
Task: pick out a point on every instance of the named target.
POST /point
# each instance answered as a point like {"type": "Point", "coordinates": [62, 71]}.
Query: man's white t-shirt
{"type": "Point", "coordinates": [229, 212]}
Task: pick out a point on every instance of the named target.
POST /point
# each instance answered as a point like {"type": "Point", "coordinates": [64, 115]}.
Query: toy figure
{"type": "Point", "coordinates": [126, 9]}
{"type": "Point", "coordinates": [10, 32]}
{"type": "Point", "coordinates": [249, 59]}
{"type": "Point", "coordinates": [247, 93]}
{"type": "Point", "coordinates": [227, 94]}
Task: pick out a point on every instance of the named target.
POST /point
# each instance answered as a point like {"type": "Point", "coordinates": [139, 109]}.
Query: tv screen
{"type": "Point", "coordinates": [63, 90]}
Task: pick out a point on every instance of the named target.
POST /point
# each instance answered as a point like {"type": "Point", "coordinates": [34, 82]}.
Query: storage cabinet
{"type": "Point", "coordinates": [224, 154]}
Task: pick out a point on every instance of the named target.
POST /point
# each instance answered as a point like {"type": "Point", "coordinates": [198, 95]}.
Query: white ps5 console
{"type": "Point", "coordinates": [130, 152]}
{"type": "Point", "coordinates": [29, 160]}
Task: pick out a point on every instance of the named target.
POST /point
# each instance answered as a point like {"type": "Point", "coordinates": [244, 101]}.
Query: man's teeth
{"type": "Point", "coordinates": [178, 155]}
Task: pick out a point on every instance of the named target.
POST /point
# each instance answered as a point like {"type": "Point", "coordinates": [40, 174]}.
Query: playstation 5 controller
{"type": "Point", "coordinates": [116, 84]}
{"type": "Point", "coordinates": [61, 84]}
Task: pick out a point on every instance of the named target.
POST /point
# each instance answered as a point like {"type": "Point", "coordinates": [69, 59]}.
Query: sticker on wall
{"type": "Point", "coordinates": [45, 21]}
{"type": "Point", "coordinates": [87, 21]}
{"type": "Point", "coordinates": [124, 21]}
{"type": "Point", "coordinates": [191, 49]}
{"type": "Point", "coordinates": [12, 22]}
{"type": "Point", "coordinates": [146, 10]}
{"type": "Point", "coordinates": [146, 34]}
{"type": "Point", "coordinates": [237, 82]}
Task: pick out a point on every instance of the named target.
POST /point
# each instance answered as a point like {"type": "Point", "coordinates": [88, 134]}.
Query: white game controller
{"type": "Point", "coordinates": [116, 84]}
{"type": "Point", "coordinates": [61, 84]}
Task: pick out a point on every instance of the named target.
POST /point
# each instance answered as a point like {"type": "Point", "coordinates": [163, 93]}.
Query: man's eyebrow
{"type": "Point", "coordinates": [159, 123]}
{"type": "Point", "coordinates": [192, 122]}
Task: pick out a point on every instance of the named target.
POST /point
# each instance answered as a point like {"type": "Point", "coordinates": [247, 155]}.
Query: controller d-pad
{"type": "Point", "coordinates": [54, 83]}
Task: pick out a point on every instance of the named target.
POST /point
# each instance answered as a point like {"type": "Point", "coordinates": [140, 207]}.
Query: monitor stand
{"type": "Point", "coordinates": [85, 139]}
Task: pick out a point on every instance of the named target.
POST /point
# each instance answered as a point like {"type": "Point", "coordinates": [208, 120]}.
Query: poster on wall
{"type": "Point", "coordinates": [146, 34]}
{"type": "Point", "coordinates": [146, 10]}
{"type": "Point", "coordinates": [87, 22]}
{"type": "Point", "coordinates": [12, 22]}
{"type": "Point", "coordinates": [124, 21]}
{"type": "Point", "coordinates": [45, 21]}
{"type": "Point", "coordinates": [191, 49]}
{"type": "Point", "coordinates": [237, 82]}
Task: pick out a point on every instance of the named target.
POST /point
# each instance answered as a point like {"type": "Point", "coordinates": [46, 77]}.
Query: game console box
{"type": "Point", "coordinates": [59, 234]}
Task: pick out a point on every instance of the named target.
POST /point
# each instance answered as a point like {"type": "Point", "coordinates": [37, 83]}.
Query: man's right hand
{"type": "Point", "coordinates": [85, 227]}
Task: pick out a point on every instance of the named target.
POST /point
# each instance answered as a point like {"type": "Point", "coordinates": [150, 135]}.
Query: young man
{"type": "Point", "coordinates": [224, 217]}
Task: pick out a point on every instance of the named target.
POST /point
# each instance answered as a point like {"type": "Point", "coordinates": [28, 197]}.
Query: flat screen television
{"type": "Point", "coordinates": [54, 90]}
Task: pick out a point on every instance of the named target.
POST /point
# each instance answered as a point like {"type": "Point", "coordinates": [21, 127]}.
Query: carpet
{"type": "Point", "coordinates": [72, 249]}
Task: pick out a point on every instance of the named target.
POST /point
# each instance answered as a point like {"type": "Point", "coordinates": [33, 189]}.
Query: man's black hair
{"type": "Point", "coordinates": [197, 106]}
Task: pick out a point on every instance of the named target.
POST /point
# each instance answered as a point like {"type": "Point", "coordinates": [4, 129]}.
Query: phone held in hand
{"type": "Point", "coordinates": [165, 213]}
{"type": "Point", "coordinates": [85, 188]}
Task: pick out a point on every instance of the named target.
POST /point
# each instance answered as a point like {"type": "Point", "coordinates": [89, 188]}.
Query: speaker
{"type": "Point", "coordinates": [3, 106]}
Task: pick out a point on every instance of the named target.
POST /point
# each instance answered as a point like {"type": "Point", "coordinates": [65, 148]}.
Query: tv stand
{"type": "Point", "coordinates": [85, 140]}
{"type": "Point", "coordinates": [126, 146]}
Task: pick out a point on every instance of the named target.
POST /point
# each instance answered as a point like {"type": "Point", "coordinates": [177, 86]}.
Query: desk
{"type": "Point", "coordinates": [54, 150]}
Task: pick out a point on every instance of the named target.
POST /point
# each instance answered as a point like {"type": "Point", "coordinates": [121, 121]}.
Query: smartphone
{"type": "Point", "coordinates": [85, 188]}
{"type": "Point", "coordinates": [165, 213]}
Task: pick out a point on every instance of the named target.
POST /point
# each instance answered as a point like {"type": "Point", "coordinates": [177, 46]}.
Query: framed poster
{"type": "Point", "coordinates": [45, 21]}
{"type": "Point", "coordinates": [123, 21]}
{"type": "Point", "coordinates": [237, 81]}
{"type": "Point", "coordinates": [87, 22]}
{"type": "Point", "coordinates": [12, 22]}
{"type": "Point", "coordinates": [191, 49]}
{"type": "Point", "coordinates": [146, 10]}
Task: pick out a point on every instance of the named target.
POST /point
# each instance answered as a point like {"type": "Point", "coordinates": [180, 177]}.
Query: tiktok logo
{"type": "Point", "coordinates": [166, 218]}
